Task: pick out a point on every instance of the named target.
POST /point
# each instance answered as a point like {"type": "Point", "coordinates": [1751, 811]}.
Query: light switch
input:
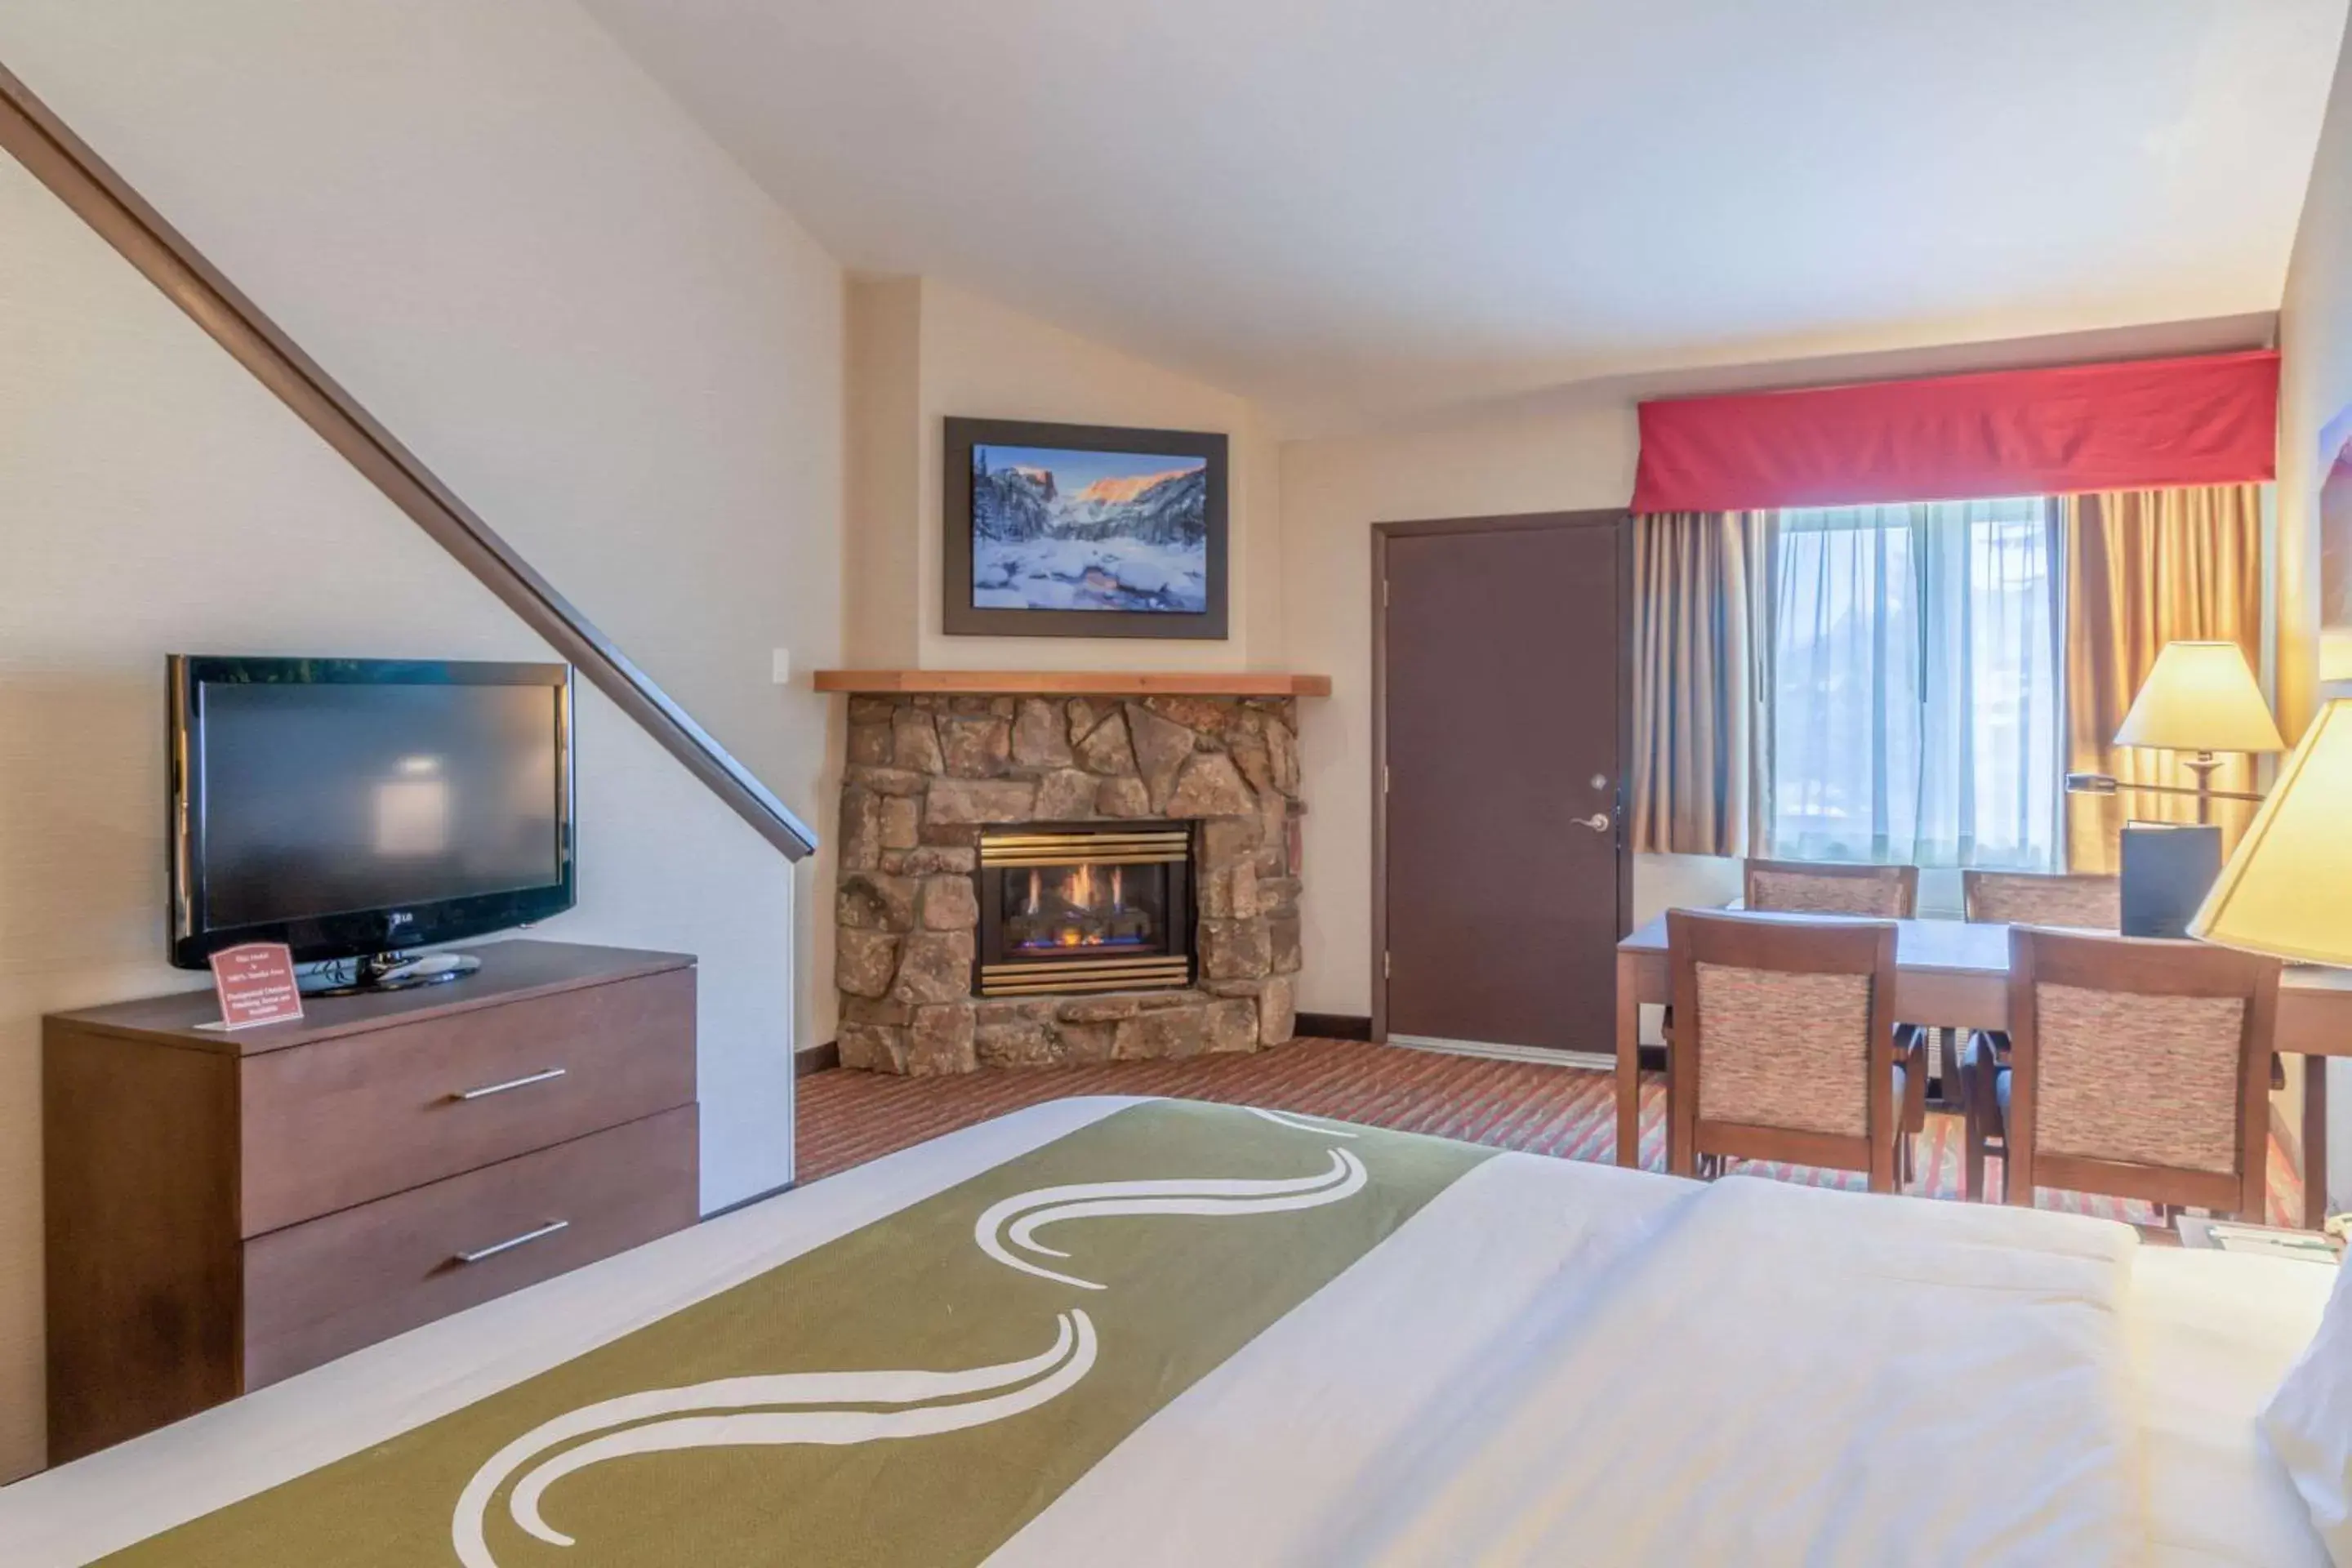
{"type": "Point", "coordinates": [781, 665]}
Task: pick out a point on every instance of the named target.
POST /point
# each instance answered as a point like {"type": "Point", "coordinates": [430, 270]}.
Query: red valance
{"type": "Point", "coordinates": [2142, 424]}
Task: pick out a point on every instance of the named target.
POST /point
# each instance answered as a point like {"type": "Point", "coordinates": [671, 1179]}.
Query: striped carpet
{"type": "Point", "coordinates": [848, 1118]}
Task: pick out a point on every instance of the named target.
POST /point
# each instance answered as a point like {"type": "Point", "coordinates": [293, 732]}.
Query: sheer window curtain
{"type": "Point", "coordinates": [1915, 699]}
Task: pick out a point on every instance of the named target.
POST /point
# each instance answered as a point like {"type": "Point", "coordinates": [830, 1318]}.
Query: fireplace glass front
{"type": "Point", "coordinates": [1084, 909]}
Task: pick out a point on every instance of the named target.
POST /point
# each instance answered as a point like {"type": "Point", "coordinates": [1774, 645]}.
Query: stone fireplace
{"type": "Point", "coordinates": [1028, 880]}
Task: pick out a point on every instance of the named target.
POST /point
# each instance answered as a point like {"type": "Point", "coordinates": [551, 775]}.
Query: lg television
{"type": "Point", "coordinates": [356, 809]}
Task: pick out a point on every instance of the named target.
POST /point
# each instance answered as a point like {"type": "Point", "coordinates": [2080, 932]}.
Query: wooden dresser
{"type": "Point", "coordinates": [225, 1210]}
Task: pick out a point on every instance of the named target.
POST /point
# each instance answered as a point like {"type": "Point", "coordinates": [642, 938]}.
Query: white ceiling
{"type": "Point", "coordinates": [1353, 209]}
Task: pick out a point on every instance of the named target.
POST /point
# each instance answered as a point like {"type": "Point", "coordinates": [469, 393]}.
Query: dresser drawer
{"type": "Point", "coordinates": [345, 1120]}
{"type": "Point", "coordinates": [321, 1290]}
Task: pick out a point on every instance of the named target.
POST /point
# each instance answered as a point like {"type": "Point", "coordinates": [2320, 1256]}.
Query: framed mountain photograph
{"type": "Point", "coordinates": [1082, 530]}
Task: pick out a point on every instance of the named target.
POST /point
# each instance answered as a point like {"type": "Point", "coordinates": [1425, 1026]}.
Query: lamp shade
{"type": "Point", "coordinates": [2283, 891]}
{"type": "Point", "coordinates": [2200, 697]}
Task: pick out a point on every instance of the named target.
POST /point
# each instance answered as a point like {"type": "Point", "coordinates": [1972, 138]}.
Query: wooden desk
{"type": "Point", "coordinates": [1954, 975]}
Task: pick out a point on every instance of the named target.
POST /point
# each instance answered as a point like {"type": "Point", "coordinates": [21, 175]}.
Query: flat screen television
{"type": "Point", "coordinates": [354, 809]}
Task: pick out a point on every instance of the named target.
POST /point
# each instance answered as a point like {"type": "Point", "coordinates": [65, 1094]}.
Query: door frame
{"type": "Point", "coordinates": [1615, 518]}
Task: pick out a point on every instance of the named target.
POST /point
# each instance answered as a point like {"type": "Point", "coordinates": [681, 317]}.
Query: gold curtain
{"type": "Point", "coordinates": [2145, 568]}
{"type": "Point", "coordinates": [1702, 666]}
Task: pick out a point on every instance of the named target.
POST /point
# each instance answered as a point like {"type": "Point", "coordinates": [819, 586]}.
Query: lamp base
{"type": "Point", "coordinates": [2168, 870]}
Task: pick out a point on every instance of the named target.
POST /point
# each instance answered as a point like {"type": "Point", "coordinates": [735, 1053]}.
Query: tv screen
{"type": "Point", "coordinates": [351, 807]}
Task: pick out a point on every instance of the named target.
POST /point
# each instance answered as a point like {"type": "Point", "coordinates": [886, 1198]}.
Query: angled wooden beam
{"type": "Point", "coordinates": [38, 139]}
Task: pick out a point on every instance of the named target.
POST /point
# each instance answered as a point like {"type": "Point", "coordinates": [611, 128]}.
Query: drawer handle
{"type": "Point", "coordinates": [510, 1242]}
{"type": "Point", "coordinates": [525, 1081]}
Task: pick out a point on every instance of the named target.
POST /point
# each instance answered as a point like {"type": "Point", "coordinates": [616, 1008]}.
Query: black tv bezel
{"type": "Point", "coordinates": [354, 933]}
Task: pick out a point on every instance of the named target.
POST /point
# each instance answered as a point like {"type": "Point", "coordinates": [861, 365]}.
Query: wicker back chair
{"type": "Point", "coordinates": [2137, 1068]}
{"type": "Point", "coordinates": [2017, 897]}
{"type": "Point", "coordinates": [1785, 1044]}
{"type": "Point", "coordinates": [1826, 888]}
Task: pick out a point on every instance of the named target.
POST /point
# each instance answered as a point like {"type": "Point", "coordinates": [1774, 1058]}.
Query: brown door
{"type": "Point", "coordinates": [1505, 701]}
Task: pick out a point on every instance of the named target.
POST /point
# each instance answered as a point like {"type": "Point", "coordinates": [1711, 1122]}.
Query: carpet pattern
{"type": "Point", "coordinates": [848, 1118]}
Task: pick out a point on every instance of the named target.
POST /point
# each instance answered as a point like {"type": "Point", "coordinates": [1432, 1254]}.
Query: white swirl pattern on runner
{"type": "Point", "coordinates": [717, 1414]}
{"type": "Point", "coordinates": [1020, 1217]}
{"type": "Point", "coordinates": [1297, 1123]}
{"type": "Point", "coordinates": [744, 1411]}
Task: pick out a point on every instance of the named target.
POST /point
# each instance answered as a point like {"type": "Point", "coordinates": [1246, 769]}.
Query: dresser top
{"type": "Point", "coordinates": [511, 972]}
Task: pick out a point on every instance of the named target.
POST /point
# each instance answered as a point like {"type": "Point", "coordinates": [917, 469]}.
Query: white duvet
{"type": "Point", "coordinates": [1552, 1362]}
{"type": "Point", "coordinates": [1617, 1368]}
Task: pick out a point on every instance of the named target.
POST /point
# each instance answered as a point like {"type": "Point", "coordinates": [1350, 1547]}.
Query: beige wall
{"type": "Point", "coordinates": [2315, 333]}
{"type": "Point", "coordinates": [924, 350]}
{"type": "Point", "coordinates": [508, 243]}
{"type": "Point", "coordinates": [882, 558]}
{"type": "Point", "coordinates": [518, 253]}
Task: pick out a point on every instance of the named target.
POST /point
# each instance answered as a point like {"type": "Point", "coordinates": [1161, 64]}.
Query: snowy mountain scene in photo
{"type": "Point", "coordinates": [1058, 530]}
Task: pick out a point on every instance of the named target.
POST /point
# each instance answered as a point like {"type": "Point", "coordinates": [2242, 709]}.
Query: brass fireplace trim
{"type": "Point", "coordinates": [1145, 847]}
{"type": "Point", "coordinates": [1050, 975]}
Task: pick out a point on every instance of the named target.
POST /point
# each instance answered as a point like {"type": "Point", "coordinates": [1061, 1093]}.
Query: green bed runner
{"type": "Point", "coordinates": [909, 1394]}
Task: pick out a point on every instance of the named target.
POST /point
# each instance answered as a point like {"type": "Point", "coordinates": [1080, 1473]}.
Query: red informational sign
{"type": "Point", "coordinates": [255, 983]}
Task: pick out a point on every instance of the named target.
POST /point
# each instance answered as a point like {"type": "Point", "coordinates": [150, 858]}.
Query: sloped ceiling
{"type": "Point", "coordinates": [1354, 211]}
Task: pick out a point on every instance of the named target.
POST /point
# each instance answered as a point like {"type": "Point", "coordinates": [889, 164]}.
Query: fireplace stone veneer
{"type": "Point", "coordinates": [927, 773]}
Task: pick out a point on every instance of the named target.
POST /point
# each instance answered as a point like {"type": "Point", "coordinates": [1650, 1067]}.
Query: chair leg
{"type": "Point", "coordinates": [1972, 1169]}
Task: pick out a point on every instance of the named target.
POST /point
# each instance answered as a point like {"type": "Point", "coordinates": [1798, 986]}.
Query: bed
{"type": "Point", "coordinates": [1158, 1332]}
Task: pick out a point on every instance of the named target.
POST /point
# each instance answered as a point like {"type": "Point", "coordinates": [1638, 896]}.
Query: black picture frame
{"type": "Point", "coordinates": [961, 617]}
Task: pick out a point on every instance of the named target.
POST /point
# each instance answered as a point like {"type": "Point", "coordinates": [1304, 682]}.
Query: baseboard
{"type": "Point", "coordinates": [817, 1059]}
{"type": "Point", "coordinates": [1588, 1061]}
{"type": "Point", "coordinates": [1334, 1026]}
{"type": "Point", "coordinates": [747, 1203]}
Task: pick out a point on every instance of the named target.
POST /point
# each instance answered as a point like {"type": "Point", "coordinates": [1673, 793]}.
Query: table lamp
{"type": "Point", "coordinates": [2284, 892]}
{"type": "Point", "coordinates": [2201, 698]}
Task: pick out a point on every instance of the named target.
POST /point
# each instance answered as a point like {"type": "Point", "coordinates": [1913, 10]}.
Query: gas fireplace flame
{"type": "Point", "coordinates": [1069, 907]}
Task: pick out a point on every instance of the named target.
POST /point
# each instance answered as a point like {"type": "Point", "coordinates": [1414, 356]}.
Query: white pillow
{"type": "Point", "coordinates": [2309, 1424]}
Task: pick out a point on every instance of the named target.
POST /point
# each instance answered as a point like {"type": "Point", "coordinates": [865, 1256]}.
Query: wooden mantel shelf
{"type": "Point", "coordinates": [1075, 682]}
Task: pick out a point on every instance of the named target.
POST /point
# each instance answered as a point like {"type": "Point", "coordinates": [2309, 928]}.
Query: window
{"type": "Point", "coordinates": [1916, 714]}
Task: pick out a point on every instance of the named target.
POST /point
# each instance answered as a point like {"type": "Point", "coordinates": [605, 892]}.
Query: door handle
{"type": "Point", "coordinates": [545, 1075]}
{"type": "Point", "coordinates": [1598, 822]}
